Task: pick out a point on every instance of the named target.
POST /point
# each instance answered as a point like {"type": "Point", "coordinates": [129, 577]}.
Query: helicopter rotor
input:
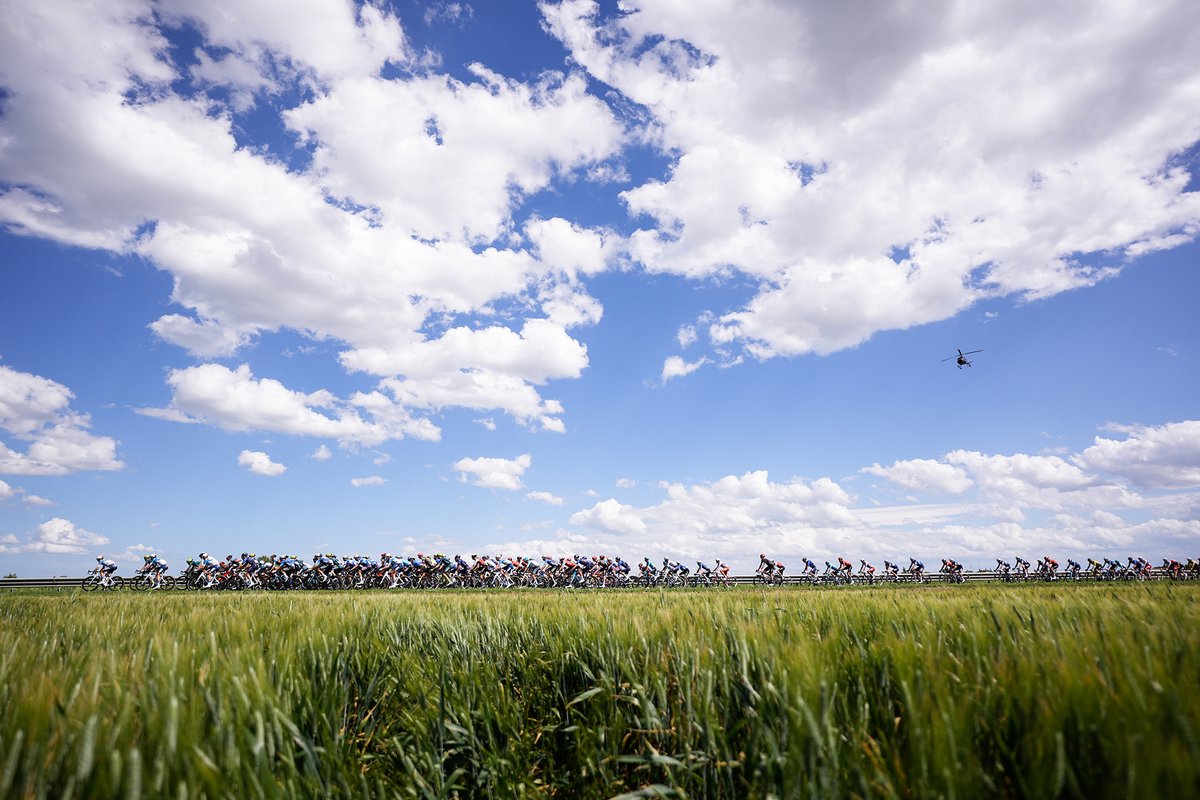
{"type": "Point", "coordinates": [962, 355]}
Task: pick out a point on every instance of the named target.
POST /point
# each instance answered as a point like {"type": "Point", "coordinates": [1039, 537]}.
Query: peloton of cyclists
{"type": "Point", "coordinates": [438, 570]}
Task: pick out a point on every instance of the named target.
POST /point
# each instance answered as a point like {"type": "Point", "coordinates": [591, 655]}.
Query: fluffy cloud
{"type": "Point", "coordinates": [889, 168]}
{"type": "Point", "coordinates": [236, 400]}
{"type": "Point", "coordinates": [545, 497]}
{"type": "Point", "coordinates": [37, 410]}
{"type": "Point", "coordinates": [59, 535]}
{"type": "Point", "coordinates": [494, 473]}
{"type": "Point", "coordinates": [7, 492]}
{"type": "Point", "coordinates": [1024, 481]}
{"type": "Point", "coordinates": [735, 511]}
{"type": "Point", "coordinates": [611, 516]}
{"type": "Point", "coordinates": [372, 480]}
{"type": "Point", "coordinates": [676, 367]}
{"type": "Point", "coordinates": [333, 44]}
{"type": "Point", "coordinates": [322, 453]}
{"type": "Point", "coordinates": [260, 463]}
{"type": "Point", "coordinates": [392, 233]}
{"type": "Point", "coordinates": [923, 475]}
{"type": "Point", "coordinates": [444, 156]}
{"type": "Point", "coordinates": [1164, 457]}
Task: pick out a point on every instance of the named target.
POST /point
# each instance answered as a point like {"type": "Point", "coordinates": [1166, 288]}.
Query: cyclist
{"type": "Point", "coordinates": [1022, 567]}
{"type": "Point", "coordinates": [916, 568]}
{"type": "Point", "coordinates": [205, 567]}
{"type": "Point", "coordinates": [106, 567]}
{"type": "Point", "coordinates": [676, 569]}
{"type": "Point", "coordinates": [156, 567]}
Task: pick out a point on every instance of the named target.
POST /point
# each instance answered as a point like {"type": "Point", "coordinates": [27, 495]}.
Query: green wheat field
{"type": "Point", "coordinates": [956, 692]}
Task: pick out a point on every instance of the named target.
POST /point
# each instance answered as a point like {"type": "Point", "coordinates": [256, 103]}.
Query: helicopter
{"type": "Point", "coordinates": [961, 359]}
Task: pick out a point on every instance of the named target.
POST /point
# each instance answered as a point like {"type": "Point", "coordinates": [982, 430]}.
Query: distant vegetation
{"type": "Point", "coordinates": [977, 691]}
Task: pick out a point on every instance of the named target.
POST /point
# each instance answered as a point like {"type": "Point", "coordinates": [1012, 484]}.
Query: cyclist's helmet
{"type": "Point", "coordinates": [100, 557]}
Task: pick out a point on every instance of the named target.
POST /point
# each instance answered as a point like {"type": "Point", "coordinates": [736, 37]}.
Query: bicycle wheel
{"type": "Point", "coordinates": [91, 583]}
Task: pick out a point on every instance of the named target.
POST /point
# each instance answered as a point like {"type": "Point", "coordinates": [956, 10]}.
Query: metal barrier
{"type": "Point", "coordinates": [40, 583]}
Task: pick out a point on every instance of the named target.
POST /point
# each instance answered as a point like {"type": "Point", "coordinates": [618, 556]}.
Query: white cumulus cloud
{"type": "Point", "coordinates": [545, 497]}
{"type": "Point", "coordinates": [396, 239]}
{"type": "Point", "coordinates": [237, 400]}
{"type": "Point", "coordinates": [611, 516]}
{"type": "Point", "coordinates": [60, 535]}
{"type": "Point", "coordinates": [37, 411]}
{"type": "Point", "coordinates": [676, 367]}
{"type": "Point", "coordinates": [891, 167]}
{"type": "Point", "coordinates": [494, 473]}
{"type": "Point", "coordinates": [371, 480]}
{"type": "Point", "coordinates": [924, 475]}
{"type": "Point", "coordinates": [1163, 457]}
{"type": "Point", "coordinates": [260, 463]}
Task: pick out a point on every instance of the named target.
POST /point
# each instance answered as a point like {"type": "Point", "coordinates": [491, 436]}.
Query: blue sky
{"type": "Point", "coordinates": [565, 277]}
